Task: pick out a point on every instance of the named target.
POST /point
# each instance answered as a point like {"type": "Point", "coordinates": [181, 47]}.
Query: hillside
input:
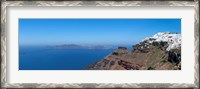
{"type": "Point", "coordinates": [161, 51]}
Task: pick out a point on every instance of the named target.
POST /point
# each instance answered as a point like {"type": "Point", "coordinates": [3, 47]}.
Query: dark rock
{"type": "Point", "coordinates": [141, 48]}
{"type": "Point", "coordinates": [174, 57]}
{"type": "Point", "coordinates": [155, 43]}
{"type": "Point", "coordinates": [136, 47]}
{"type": "Point", "coordinates": [123, 48]}
{"type": "Point", "coordinates": [115, 53]}
{"type": "Point", "coordinates": [119, 52]}
{"type": "Point", "coordinates": [152, 39]}
{"type": "Point", "coordinates": [145, 50]}
{"type": "Point", "coordinates": [163, 43]}
{"type": "Point", "coordinates": [150, 68]}
{"type": "Point", "coordinates": [98, 65]}
{"type": "Point", "coordinates": [112, 62]}
{"type": "Point", "coordinates": [105, 62]}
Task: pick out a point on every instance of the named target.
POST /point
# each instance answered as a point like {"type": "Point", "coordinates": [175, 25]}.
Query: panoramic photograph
{"type": "Point", "coordinates": [99, 44]}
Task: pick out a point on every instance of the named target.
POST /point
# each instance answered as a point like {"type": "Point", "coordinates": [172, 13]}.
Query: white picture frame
{"type": "Point", "coordinates": [5, 20]}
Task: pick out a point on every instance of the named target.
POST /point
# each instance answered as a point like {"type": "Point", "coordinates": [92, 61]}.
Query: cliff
{"type": "Point", "coordinates": [159, 52]}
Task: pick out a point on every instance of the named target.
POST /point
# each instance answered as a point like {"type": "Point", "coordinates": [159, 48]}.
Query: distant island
{"type": "Point", "coordinates": [76, 46]}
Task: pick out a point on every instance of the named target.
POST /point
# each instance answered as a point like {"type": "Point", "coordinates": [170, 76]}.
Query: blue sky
{"type": "Point", "coordinates": [92, 31]}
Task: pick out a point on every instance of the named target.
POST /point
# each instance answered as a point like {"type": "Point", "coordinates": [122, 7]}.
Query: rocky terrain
{"type": "Point", "coordinates": [162, 51]}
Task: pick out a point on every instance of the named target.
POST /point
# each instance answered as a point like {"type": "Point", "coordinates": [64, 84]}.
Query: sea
{"type": "Point", "coordinates": [43, 58]}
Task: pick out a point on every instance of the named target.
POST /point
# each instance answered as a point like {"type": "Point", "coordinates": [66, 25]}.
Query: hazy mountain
{"type": "Point", "coordinates": [75, 46]}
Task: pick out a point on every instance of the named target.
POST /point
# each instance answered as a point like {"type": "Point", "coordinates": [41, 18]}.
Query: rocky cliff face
{"type": "Point", "coordinates": [159, 52]}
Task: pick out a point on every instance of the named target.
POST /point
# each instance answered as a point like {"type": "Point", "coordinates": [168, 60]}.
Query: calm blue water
{"type": "Point", "coordinates": [41, 58]}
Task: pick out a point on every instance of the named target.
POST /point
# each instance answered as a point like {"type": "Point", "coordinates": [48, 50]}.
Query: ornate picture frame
{"type": "Point", "coordinates": [4, 39]}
